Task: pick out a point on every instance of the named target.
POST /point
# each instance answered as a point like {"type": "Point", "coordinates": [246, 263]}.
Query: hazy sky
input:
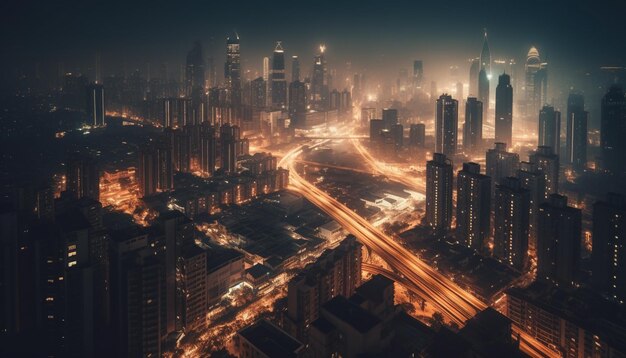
{"type": "Point", "coordinates": [575, 34]}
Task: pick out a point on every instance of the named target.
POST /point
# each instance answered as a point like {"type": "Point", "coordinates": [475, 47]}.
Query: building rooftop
{"type": "Point", "coordinates": [373, 290]}
{"type": "Point", "coordinates": [259, 270]}
{"type": "Point", "coordinates": [352, 314]}
{"type": "Point", "coordinates": [271, 340]}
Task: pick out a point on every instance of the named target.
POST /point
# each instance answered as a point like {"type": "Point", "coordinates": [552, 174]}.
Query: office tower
{"type": "Point", "coordinates": [550, 128]}
{"type": "Point", "coordinates": [208, 150]}
{"type": "Point", "coordinates": [483, 89]}
{"type": "Point", "coordinates": [511, 210]}
{"type": "Point", "coordinates": [446, 125]}
{"type": "Point", "coordinates": [609, 251]}
{"type": "Point", "coordinates": [194, 72]}
{"type": "Point", "coordinates": [192, 266]}
{"type": "Point", "coordinates": [548, 162]}
{"type": "Point", "coordinates": [319, 82]}
{"type": "Point", "coordinates": [266, 69]}
{"type": "Point", "coordinates": [504, 110]}
{"type": "Point", "coordinates": [473, 126]}
{"type": "Point", "coordinates": [82, 177]}
{"type": "Point", "coordinates": [336, 272]}
{"type": "Point", "coordinates": [258, 94]}
{"type": "Point", "coordinates": [473, 77]}
{"type": "Point", "coordinates": [177, 112]}
{"type": "Point", "coordinates": [180, 142]}
{"type": "Point", "coordinates": [376, 128]}
{"type": "Point", "coordinates": [558, 241]}
{"type": "Point", "coordinates": [418, 73]}
{"type": "Point", "coordinates": [229, 136]}
{"type": "Point", "coordinates": [155, 171]}
{"type": "Point", "coordinates": [390, 117]}
{"type": "Point", "coordinates": [500, 164]}
{"type": "Point", "coordinates": [278, 84]}
{"type": "Point", "coordinates": [95, 104]}
{"type": "Point", "coordinates": [232, 70]}
{"type": "Point", "coordinates": [295, 68]}
{"type": "Point", "coordinates": [439, 193]}
{"type": "Point", "coordinates": [533, 180]}
{"type": "Point", "coordinates": [576, 135]}
{"type": "Point", "coordinates": [417, 135]}
{"type": "Point", "coordinates": [536, 82]}
{"type": "Point", "coordinates": [297, 103]}
{"type": "Point", "coordinates": [613, 130]}
{"type": "Point", "coordinates": [473, 206]}
{"type": "Point", "coordinates": [165, 170]}
{"type": "Point", "coordinates": [485, 56]}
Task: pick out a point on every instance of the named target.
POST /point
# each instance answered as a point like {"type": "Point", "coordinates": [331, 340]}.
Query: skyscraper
{"type": "Point", "coordinates": [417, 135]}
{"type": "Point", "coordinates": [485, 56]}
{"type": "Point", "coordinates": [155, 171]}
{"type": "Point", "coordinates": [504, 110]}
{"type": "Point", "coordinates": [258, 94]}
{"type": "Point", "coordinates": [194, 72]}
{"type": "Point", "coordinates": [278, 83]}
{"type": "Point", "coordinates": [208, 150]}
{"type": "Point", "coordinates": [609, 251]}
{"type": "Point", "coordinates": [473, 126]}
{"type": "Point", "coordinates": [558, 241]}
{"type": "Point", "coordinates": [446, 125]}
{"type": "Point", "coordinates": [232, 70]}
{"type": "Point", "coordinates": [95, 104]}
{"type": "Point", "coordinates": [229, 136]}
{"type": "Point", "coordinates": [548, 162]}
{"type": "Point", "coordinates": [483, 89]}
{"type": "Point", "coordinates": [511, 210]}
{"type": "Point", "coordinates": [295, 68]}
{"type": "Point", "coordinates": [319, 82]}
{"type": "Point", "coordinates": [576, 136]}
{"type": "Point", "coordinates": [533, 180]}
{"type": "Point", "coordinates": [390, 117]}
{"type": "Point", "coordinates": [473, 207]}
{"type": "Point", "coordinates": [82, 177]}
{"type": "Point", "coordinates": [500, 164]}
{"type": "Point", "coordinates": [418, 73]}
{"type": "Point", "coordinates": [297, 103]}
{"type": "Point", "coordinates": [439, 193]}
{"type": "Point", "coordinates": [613, 130]}
{"type": "Point", "coordinates": [550, 128]}
{"type": "Point", "coordinates": [536, 83]}
{"type": "Point", "coordinates": [473, 77]}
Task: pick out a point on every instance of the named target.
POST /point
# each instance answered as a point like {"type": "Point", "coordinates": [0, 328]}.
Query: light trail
{"type": "Point", "coordinates": [455, 303]}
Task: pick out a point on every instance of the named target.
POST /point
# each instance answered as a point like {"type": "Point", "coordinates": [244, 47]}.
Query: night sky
{"type": "Point", "coordinates": [374, 34]}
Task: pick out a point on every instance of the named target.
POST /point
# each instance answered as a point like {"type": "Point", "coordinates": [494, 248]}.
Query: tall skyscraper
{"type": "Point", "coordinates": [550, 128]}
{"type": "Point", "coordinates": [194, 72]}
{"type": "Point", "coordinates": [536, 83]}
{"type": "Point", "coordinates": [511, 210]}
{"type": "Point", "coordinates": [548, 162]}
{"type": "Point", "coordinates": [473, 77]}
{"type": "Point", "coordinates": [576, 136]}
{"type": "Point", "coordinates": [278, 82]}
{"type": "Point", "coordinates": [390, 117]}
{"type": "Point", "coordinates": [229, 136]}
{"type": "Point", "coordinates": [258, 93]}
{"type": "Point", "coordinates": [232, 70]}
{"type": "Point", "coordinates": [473, 126]}
{"type": "Point", "coordinates": [613, 130]}
{"type": "Point", "coordinates": [483, 89]}
{"type": "Point", "coordinates": [473, 206]}
{"type": "Point", "coordinates": [500, 164]}
{"type": "Point", "coordinates": [417, 135]}
{"type": "Point", "coordinates": [208, 150]}
{"type": "Point", "coordinates": [295, 68]}
{"type": "Point", "coordinates": [446, 125]}
{"type": "Point", "coordinates": [319, 82]}
{"type": "Point", "coordinates": [82, 177]}
{"type": "Point", "coordinates": [95, 105]}
{"type": "Point", "coordinates": [558, 241]}
{"type": "Point", "coordinates": [155, 171]}
{"type": "Point", "coordinates": [609, 250]}
{"type": "Point", "coordinates": [297, 103]}
{"type": "Point", "coordinates": [485, 56]}
{"type": "Point", "coordinates": [533, 180]}
{"type": "Point", "coordinates": [439, 193]}
{"type": "Point", "coordinates": [504, 110]}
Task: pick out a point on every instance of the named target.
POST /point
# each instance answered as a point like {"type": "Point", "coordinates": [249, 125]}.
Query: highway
{"type": "Point", "coordinates": [456, 304]}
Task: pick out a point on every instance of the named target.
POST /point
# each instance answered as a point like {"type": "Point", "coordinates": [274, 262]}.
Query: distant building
{"type": "Point", "coordinates": [550, 128]}
{"type": "Point", "coordinates": [576, 135]}
{"type": "Point", "coordinates": [504, 110]}
{"type": "Point", "coordinates": [446, 125]}
{"type": "Point", "coordinates": [500, 164]}
{"type": "Point", "coordinates": [95, 105]}
{"type": "Point", "coordinates": [613, 130]}
{"type": "Point", "coordinates": [439, 193]}
{"type": "Point", "coordinates": [548, 162]}
{"type": "Point", "coordinates": [82, 177]}
{"type": "Point", "coordinates": [278, 83]}
{"type": "Point", "coordinates": [473, 126]}
{"type": "Point", "coordinates": [417, 135]}
{"type": "Point", "coordinates": [558, 242]}
{"type": "Point", "coordinates": [511, 211]}
{"type": "Point", "coordinates": [473, 208]}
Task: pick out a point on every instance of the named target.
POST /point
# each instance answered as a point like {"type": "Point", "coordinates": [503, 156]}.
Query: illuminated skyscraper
{"type": "Point", "coordinates": [278, 84]}
{"type": "Point", "coordinates": [533, 180]}
{"type": "Point", "coordinates": [609, 251]}
{"type": "Point", "coordinates": [319, 82]}
{"type": "Point", "coordinates": [511, 210]}
{"type": "Point", "coordinates": [500, 164]}
{"type": "Point", "coordinates": [295, 68]}
{"type": "Point", "coordinates": [439, 193]}
{"type": "Point", "coordinates": [446, 125]}
{"type": "Point", "coordinates": [613, 130]}
{"type": "Point", "coordinates": [485, 56]}
{"type": "Point", "coordinates": [558, 241]}
{"type": "Point", "coordinates": [232, 70]}
{"type": "Point", "coordinates": [550, 128]}
{"type": "Point", "coordinates": [258, 94]}
{"type": "Point", "coordinates": [576, 136]}
{"type": "Point", "coordinates": [95, 105]}
{"type": "Point", "coordinates": [536, 84]}
{"type": "Point", "coordinates": [473, 77]}
{"type": "Point", "coordinates": [483, 89]}
{"type": "Point", "coordinates": [504, 110]}
{"type": "Point", "coordinates": [473, 207]}
{"type": "Point", "coordinates": [473, 126]}
{"type": "Point", "coordinates": [229, 136]}
{"type": "Point", "coordinates": [548, 162]}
